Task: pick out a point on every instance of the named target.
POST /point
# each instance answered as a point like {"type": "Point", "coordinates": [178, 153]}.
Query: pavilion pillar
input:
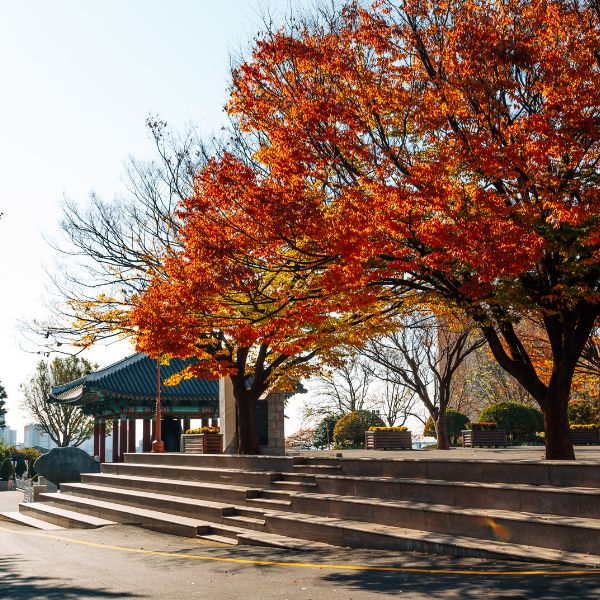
{"type": "Point", "coordinates": [123, 439]}
{"type": "Point", "coordinates": [227, 416]}
{"type": "Point", "coordinates": [146, 435]}
{"type": "Point", "coordinates": [153, 431]}
{"type": "Point", "coordinates": [115, 432]}
{"type": "Point", "coordinates": [96, 437]}
{"type": "Point", "coordinates": [186, 424]}
{"type": "Point", "coordinates": [131, 436]}
{"type": "Point", "coordinates": [205, 422]}
{"type": "Point", "coordinates": [102, 441]}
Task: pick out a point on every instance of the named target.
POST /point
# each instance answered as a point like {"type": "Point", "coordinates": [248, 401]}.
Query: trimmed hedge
{"type": "Point", "coordinates": [580, 412]}
{"type": "Point", "coordinates": [7, 470]}
{"type": "Point", "coordinates": [349, 431]}
{"type": "Point", "coordinates": [455, 423]}
{"type": "Point", "coordinates": [520, 422]}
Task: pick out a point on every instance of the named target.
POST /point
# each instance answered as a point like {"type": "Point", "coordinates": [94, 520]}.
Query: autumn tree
{"type": "Point", "coordinates": [447, 148]}
{"type": "Point", "coordinates": [65, 425]}
{"type": "Point", "coordinates": [219, 300]}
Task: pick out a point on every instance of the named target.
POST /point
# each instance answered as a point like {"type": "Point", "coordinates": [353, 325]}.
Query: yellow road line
{"type": "Point", "coordinates": [308, 565]}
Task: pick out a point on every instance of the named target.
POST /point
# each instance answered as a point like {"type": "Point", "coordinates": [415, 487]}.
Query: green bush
{"type": "Point", "coordinates": [455, 423]}
{"type": "Point", "coordinates": [323, 437]}
{"type": "Point", "coordinates": [7, 470]}
{"type": "Point", "coordinates": [31, 472]}
{"type": "Point", "coordinates": [520, 422]}
{"type": "Point", "coordinates": [20, 467]}
{"type": "Point", "coordinates": [349, 431]}
{"type": "Point", "coordinates": [580, 412]}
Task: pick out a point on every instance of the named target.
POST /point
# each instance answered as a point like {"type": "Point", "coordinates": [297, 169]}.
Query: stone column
{"type": "Point", "coordinates": [102, 440]}
{"type": "Point", "coordinates": [96, 437]}
{"type": "Point", "coordinates": [131, 436]}
{"type": "Point", "coordinates": [275, 424]}
{"type": "Point", "coordinates": [115, 433]}
{"type": "Point", "coordinates": [227, 416]}
{"type": "Point", "coordinates": [123, 439]}
{"type": "Point", "coordinates": [146, 435]}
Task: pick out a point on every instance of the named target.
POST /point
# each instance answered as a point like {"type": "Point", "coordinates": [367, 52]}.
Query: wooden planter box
{"type": "Point", "coordinates": [388, 440]}
{"type": "Point", "coordinates": [585, 437]}
{"type": "Point", "coordinates": [202, 443]}
{"type": "Point", "coordinates": [483, 439]}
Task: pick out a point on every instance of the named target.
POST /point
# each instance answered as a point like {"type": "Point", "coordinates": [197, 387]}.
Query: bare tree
{"type": "Point", "coordinates": [118, 244]}
{"type": "Point", "coordinates": [66, 425]}
{"type": "Point", "coordinates": [424, 355]}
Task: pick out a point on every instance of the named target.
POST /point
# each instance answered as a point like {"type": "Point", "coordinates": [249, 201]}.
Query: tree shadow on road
{"type": "Point", "coordinates": [15, 585]}
{"type": "Point", "coordinates": [516, 587]}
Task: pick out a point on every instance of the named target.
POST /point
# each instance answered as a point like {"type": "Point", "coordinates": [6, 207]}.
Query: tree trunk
{"type": "Point", "coordinates": [440, 431]}
{"type": "Point", "coordinates": [247, 438]}
{"type": "Point", "coordinates": [559, 445]}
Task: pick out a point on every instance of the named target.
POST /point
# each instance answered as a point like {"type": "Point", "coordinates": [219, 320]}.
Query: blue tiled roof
{"type": "Point", "coordinates": [135, 377]}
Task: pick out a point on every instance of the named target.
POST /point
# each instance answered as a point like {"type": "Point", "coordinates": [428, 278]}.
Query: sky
{"type": "Point", "coordinates": [78, 80]}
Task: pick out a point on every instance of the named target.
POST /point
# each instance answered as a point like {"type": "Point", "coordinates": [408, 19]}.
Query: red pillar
{"type": "Point", "coordinates": [153, 430]}
{"type": "Point", "coordinates": [102, 440]}
{"type": "Point", "coordinates": [146, 435]}
{"type": "Point", "coordinates": [96, 437]}
{"type": "Point", "coordinates": [186, 424]}
{"type": "Point", "coordinates": [131, 437]}
{"type": "Point", "coordinates": [115, 433]}
{"type": "Point", "coordinates": [214, 422]}
{"type": "Point", "coordinates": [123, 439]}
{"type": "Point", "coordinates": [205, 422]}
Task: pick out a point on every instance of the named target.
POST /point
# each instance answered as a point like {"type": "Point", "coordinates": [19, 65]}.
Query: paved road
{"type": "Point", "coordinates": [126, 562]}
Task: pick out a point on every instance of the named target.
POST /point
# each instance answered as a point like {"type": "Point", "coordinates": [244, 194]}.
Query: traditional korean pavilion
{"type": "Point", "coordinates": [126, 391]}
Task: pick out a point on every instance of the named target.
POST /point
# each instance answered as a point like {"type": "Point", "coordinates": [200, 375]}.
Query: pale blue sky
{"type": "Point", "coordinates": [78, 79]}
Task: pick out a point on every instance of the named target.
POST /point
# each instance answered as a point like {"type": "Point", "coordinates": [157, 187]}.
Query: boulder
{"type": "Point", "coordinates": [65, 465]}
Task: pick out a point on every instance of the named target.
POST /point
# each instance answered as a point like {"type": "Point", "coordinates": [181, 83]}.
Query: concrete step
{"type": "Point", "coordinates": [131, 515]}
{"type": "Point", "coordinates": [189, 489]}
{"type": "Point", "coordinates": [549, 531]}
{"type": "Point", "coordinates": [63, 517]}
{"type": "Point", "coordinates": [245, 522]}
{"type": "Point", "coordinates": [580, 502]}
{"type": "Point", "coordinates": [299, 477]}
{"type": "Point", "coordinates": [309, 468]}
{"type": "Point", "coordinates": [275, 494]}
{"type": "Point", "coordinates": [237, 477]}
{"type": "Point", "coordinates": [29, 521]}
{"type": "Point", "coordinates": [270, 503]}
{"type": "Point", "coordinates": [214, 461]}
{"type": "Point", "coordinates": [357, 534]}
{"type": "Point", "coordinates": [531, 472]}
{"type": "Point", "coordinates": [177, 505]}
{"type": "Point", "coordinates": [295, 486]}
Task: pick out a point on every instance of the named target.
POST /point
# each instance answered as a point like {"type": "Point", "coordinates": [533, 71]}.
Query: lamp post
{"type": "Point", "coordinates": [157, 444]}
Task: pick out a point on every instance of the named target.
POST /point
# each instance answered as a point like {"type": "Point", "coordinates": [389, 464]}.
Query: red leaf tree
{"type": "Point", "coordinates": [450, 148]}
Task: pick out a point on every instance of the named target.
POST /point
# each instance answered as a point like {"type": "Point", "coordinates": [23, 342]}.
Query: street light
{"type": "Point", "coordinates": [157, 444]}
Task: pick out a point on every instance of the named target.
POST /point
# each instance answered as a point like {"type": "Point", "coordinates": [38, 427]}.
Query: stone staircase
{"type": "Point", "coordinates": [522, 510]}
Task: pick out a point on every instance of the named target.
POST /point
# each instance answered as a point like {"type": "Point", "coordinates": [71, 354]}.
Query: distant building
{"type": "Point", "coordinates": [34, 436]}
{"type": "Point", "coordinates": [8, 436]}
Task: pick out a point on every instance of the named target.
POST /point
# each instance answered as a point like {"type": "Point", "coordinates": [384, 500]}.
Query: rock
{"type": "Point", "coordinates": [65, 465]}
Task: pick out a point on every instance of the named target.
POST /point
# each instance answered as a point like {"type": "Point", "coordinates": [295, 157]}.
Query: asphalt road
{"type": "Point", "coordinates": [127, 562]}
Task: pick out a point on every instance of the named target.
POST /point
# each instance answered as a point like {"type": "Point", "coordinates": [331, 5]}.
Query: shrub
{"type": "Point", "coordinates": [483, 426]}
{"type": "Point", "coordinates": [31, 472]}
{"type": "Point", "coordinates": [20, 467]}
{"type": "Point", "coordinates": [580, 412]}
{"type": "Point", "coordinates": [7, 470]}
{"type": "Point", "coordinates": [581, 427]}
{"type": "Point", "coordinates": [324, 431]}
{"type": "Point", "coordinates": [401, 428]}
{"type": "Point", "coordinates": [455, 423]}
{"type": "Point", "coordinates": [349, 431]}
{"type": "Point", "coordinates": [204, 430]}
{"type": "Point", "coordinates": [520, 422]}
